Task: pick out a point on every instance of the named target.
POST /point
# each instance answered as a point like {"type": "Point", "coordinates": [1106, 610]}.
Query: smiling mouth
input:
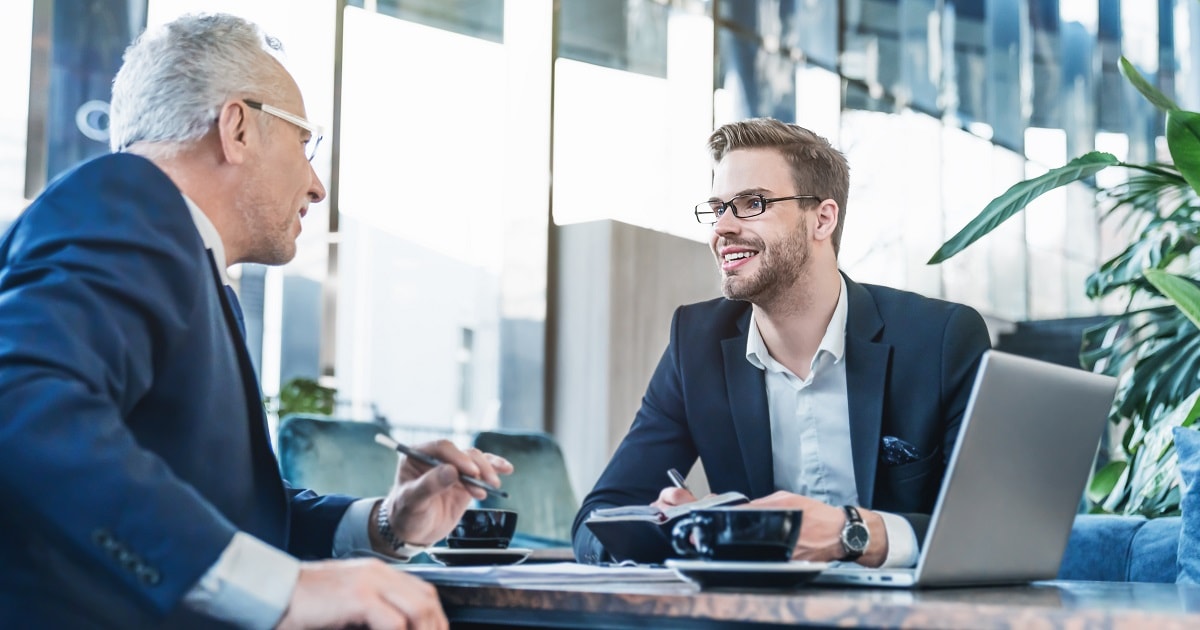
{"type": "Point", "coordinates": [739, 256]}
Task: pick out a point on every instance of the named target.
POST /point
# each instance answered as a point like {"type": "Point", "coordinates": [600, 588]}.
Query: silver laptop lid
{"type": "Point", "coordinates": [1017, 473]}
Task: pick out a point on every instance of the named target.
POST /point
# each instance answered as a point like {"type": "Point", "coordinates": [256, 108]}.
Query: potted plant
{"type": "Point", "coordinates": [1152, 347]}
{"type": "Point", "coordinates": [303, 395]}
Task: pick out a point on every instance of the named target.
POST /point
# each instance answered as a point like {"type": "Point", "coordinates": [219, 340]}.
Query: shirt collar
{"type": "Point", "coordinates": [833, 343]}
{"type": "Point", "coordinates": [209, 235]}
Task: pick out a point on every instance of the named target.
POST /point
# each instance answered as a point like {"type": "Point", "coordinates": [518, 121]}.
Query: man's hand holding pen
{"type": "Point", "coordinates": [675, 494]}
{"type": "Point", "coordinates": [427, 500]}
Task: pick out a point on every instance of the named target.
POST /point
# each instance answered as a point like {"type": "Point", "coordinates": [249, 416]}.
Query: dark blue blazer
{"type": "Point", "coordinates": [133, 442]}
{"type": "Point", "coordinates": [910, 364]}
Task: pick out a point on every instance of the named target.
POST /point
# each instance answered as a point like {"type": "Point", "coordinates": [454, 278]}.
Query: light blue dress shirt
{"type": "Point", "coordinates": [810, 428]}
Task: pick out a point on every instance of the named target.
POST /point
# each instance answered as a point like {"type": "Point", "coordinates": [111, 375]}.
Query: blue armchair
{"type": "Point", "coordinates": [1110, 548]}
{"type": "Point", "coordinates": [539, 489]}
{"type": "Point", "coordinates": [334, 456]}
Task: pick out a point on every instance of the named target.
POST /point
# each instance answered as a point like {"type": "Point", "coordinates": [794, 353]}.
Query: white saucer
{"type": "Point", "coordinates": [747, 575]}
{"type": "Point", "coordinates": [477, 557]}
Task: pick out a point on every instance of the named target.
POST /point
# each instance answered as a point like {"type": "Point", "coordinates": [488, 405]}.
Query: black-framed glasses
{"type": "Point", "coordinates": [743, 206]}
{"type": "Point", "coordinates": [315, 131]}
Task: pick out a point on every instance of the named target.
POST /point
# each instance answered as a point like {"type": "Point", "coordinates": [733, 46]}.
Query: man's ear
{"type": "Point", "coordinates": [235, 131]}
{"type": "Point", "coordinates": [827, 219]}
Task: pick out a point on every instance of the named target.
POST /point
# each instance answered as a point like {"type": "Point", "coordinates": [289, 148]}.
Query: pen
{"type": "Point", "coordinates": [677, 479]}
{"type": "Point", "coordinates": [433, 461]}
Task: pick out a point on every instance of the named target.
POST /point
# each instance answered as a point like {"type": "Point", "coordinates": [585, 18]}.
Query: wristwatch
{"type": "Point", "coordinates": [383, 525]}
{"type": "Point", "coordinates": [855, 535]}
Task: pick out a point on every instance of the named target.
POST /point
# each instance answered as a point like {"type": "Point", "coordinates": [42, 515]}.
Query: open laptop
{"type": "Point", "coordinates": [1013, 484]}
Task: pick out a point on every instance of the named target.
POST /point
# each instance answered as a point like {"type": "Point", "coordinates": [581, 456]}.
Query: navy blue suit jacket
{"type": "Point", "coordinates": [910, 364]}
{"type": "Point", "coordinates": [133, 442]}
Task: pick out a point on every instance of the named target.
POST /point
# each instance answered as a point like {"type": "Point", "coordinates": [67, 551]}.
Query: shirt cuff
{"type": "Point", "coordinates": [249, 586]}
{"type": "Point", "coordinates": [351, 536]}
{"type": "Point", "coordinates": [353, 539]}
{"type": "Point", "coordinates": [902, 542]}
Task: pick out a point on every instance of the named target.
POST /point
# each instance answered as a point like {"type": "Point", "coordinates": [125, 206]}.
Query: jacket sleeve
{"type": "Point", "coordinates": [314, 520]}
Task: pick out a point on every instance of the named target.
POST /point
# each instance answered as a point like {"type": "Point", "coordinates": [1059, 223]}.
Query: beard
{"type": "Point", "coordinates": [779, 267]}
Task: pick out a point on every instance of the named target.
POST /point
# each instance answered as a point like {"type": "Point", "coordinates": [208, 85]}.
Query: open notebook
{"type": "Point", "coordinates": [642, 533]}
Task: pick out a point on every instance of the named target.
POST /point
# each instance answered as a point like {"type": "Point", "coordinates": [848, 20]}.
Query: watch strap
{"type": "Point", "coordinates": [383, 525]}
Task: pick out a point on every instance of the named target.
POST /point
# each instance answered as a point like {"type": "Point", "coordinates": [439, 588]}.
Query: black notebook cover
{"type": "Point", "coordinates": [642, 533]}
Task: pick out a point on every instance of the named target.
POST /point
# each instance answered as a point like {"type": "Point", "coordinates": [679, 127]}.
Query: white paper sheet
{"type": "Point", "coordinates": [539, 573]}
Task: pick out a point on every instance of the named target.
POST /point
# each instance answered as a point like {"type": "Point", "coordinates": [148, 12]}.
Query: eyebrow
{"type": "Point", "coordinates": [745, 191]}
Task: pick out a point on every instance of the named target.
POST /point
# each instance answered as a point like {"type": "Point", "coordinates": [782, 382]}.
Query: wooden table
{"type": "Point", "coordinates": [676, 605]}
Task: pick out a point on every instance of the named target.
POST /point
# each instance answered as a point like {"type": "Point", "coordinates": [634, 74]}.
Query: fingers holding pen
{"type": "Point", "coordinates": [470, 462]}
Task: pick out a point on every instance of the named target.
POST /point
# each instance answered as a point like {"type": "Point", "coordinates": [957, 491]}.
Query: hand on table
{"type": "Point", "coordinates": [821, 528]}
{"type": "Point", "coordinates": [361, 593]}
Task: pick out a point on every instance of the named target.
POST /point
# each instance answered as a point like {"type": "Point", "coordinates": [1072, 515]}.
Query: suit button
{"type": "Point", "coordinates": [148, 575]}
{"type": "Point", "coordinates": [103, 538]}
{"type": "Point", "coordinates": [128, 559]}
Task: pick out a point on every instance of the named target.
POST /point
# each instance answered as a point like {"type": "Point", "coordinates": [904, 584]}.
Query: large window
{"type": "Point", "coordinates": [629, 128]}
{"type": "Point", "coordinates": [466, 131]}
{"type": "Point", "coordinates": [441, 244]}
{"type": "Point", "coordinates": [14, 108]}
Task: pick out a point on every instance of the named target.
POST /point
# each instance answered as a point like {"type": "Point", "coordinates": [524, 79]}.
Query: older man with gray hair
{"type": "Point", "coordinates": [136, 471]}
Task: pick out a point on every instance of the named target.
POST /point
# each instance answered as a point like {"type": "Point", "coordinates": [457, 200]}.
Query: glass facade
{"type": "Point", "coordinates": [467, 130]}
{"type": "Point", "coordinates": [477, 18]}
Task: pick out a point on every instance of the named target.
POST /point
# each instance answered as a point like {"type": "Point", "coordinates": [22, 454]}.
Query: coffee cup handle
{"type": "Point", "coordinates": [681, 537]}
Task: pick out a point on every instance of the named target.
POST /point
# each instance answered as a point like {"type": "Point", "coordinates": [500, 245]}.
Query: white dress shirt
{"type": "Point", "coordinates": [251, 583]}
{"type": "Point", "coordinates": [810, 429]}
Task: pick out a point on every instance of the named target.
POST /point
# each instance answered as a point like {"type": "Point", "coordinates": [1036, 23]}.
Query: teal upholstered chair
{"type": "Point", "coordinates": [334, 456]}
{"type": "Point", "coordinates": [539, 489]}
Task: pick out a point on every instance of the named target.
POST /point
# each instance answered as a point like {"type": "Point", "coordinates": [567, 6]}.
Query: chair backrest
{"type": "Point", "coordinates": [539, 488]}
{"type": "Point", "coordinates": [327, 455]}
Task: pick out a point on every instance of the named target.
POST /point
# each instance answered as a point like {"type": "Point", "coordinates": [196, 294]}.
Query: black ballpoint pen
{"type": "Point", "coordinates": [677, 479]}
{"type": "Point", "coordinates": [433, 461]}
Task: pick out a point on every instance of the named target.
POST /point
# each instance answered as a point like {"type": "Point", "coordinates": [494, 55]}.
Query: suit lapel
{"type": "Point", "coordinates": [264, 455]}
{"type": "Point", "coordinates": [236, 307]}
{"type": "Point", "coordinates": [747, 391]}
{"type": "Point", "coordinates": [866, 382]}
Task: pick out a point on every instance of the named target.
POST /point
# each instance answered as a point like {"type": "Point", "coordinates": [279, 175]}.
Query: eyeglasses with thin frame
{"type": "Point", "coordinates": [315, 130]}
{"type": "Point", "coordinates": [743, 206]}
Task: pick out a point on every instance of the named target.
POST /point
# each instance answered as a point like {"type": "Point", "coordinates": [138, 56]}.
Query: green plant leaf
{"type": "Point", "coordinates": [305, 395]}
{"type": "Point", "coordinates": [1105, 480]}
{"type": "Point", "coordinates": [1016, 198]}
{"type": "Point", "coordinates": [1135, 78]}
{"type": "Point", "coordinates": [1183, 140]}
{"type": "Point", "coordinates": [1182, 291]}
{"type": "Point", "coordinates": [1119, 495]}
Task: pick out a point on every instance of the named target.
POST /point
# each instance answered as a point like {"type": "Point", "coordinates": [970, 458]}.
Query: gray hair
{"type": "Point", "coordinates": [174, 79]}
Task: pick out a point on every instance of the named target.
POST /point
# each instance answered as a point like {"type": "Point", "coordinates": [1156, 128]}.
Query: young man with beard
{"type": "Point", "coordinates": [801, 389]}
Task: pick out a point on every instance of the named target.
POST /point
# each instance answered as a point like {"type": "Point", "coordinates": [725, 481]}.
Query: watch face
{"type": "Point", "coordinates": [856, 536]}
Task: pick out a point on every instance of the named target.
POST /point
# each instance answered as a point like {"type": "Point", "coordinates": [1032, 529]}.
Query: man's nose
{"type": "Point", "coordinates": [316, 191]}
